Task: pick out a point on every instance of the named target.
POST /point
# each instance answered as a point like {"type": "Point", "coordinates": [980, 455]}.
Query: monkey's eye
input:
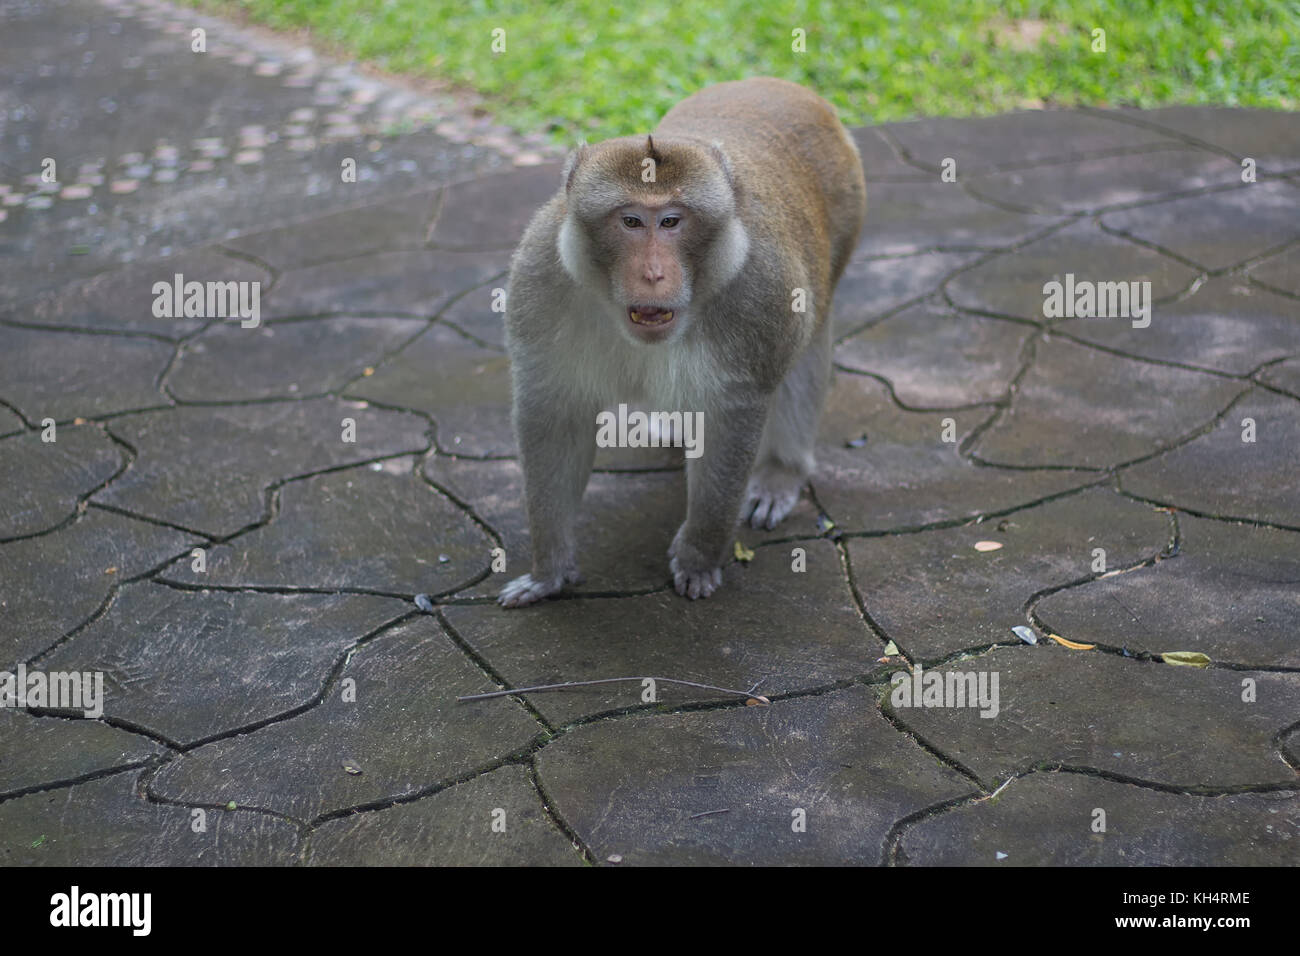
{"type": "Point", "coordinates": [668, 222]}
{"type": "Point", "coordinates": [632, 222]}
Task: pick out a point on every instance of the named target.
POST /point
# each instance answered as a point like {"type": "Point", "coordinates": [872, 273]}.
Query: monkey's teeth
{"type": "Point", "coordinates": [649, 318]}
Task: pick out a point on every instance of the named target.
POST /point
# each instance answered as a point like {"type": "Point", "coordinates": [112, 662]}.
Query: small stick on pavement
{"type": "Point", "coordinates": [756, 698]}
{"type": "Point", "coordinates": [708, 813]}
{"type": "Point", "coordinates": [1006, 783]}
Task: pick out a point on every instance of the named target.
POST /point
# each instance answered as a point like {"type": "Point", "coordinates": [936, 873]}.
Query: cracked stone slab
{"type": "Point", "coordinates": [122, 300]}
{"type": "Point", "coordinates": [53, 582]}
{"type": "Point", "coordinates": [1221, 475]}
{"type": "Point", "coordinates": [1046, 819]}
{"type": "Point", "coordinates": [405, 732]}
{"type": "Point", "coordinates": [472, 314]}
{"type": "Point", "coordinates": [44, 481]}
{"type": "Point", "coordinates": [916, 217]}
{"type": "Point", "coordinates": [228, 363]}
{"type": "Point", "coordinates": [463, 387]}
{"type": "Point", "coordinates": [388, 225]}
{"type": "Point", "coordinates": [1228, 325]}
{"type": "Point", "coordinates": [1232, 593]}
{"type": "Point", "coordinates": [935, 357]}
{"type": "Point", "coordinates": [1281, 271]}
{"type": "Point", "coordinates": [1270, 137]}
{"type": "Point", "coordinates": [363, 528]}
{"type": "Point", "coordinates": [42, 751]}
{"type": "Point", "coordinates": [107, 822]}
{"type": "Point", "coordinates": [9, 423]}
{"type": "Point", "coordinates": [630, 787]}
{"type": "Point", "coordinates": [934, 594]}
{"type": "Point", "coordinates": [451, 828]}
{"type": "Point", "coordinates": [1182, 727]}
{"type": "Point", "coordinates": [880, 162]}
{"type": "Point", "coordinates": [184, 474]}
{"type": "Point", "coordinates": [1012, 283]}
{"type": "Point", "coordinates": [1290, 744]}
{"type": "Point", "coordinates": [905, 475]}
{"type": "Point", "coordinates": [64, 375]}
{"type": "Point", "coordinates": [793, 630]}
{"type": "Point", "coordinates": [1090, 184]}
{"type": "Point", "coordinates": [1217, 230]}
{"type": "Point", "coordinates": [871, 287]}
{"type": "Point", "coordinates": [418, 283]}
{"type": "Point", "coordinates": [1082, 408]}
{"type": "Point", "coordinates": [190, 666]}
{"type": "Point", "coordinates": [1019, 139]}
{"type": "Point", "coordinates": [1284, 375]}
{"type": "Point", "coordinates": [159, 91]}
{"type": "Point", "coordinates": [492, 212]}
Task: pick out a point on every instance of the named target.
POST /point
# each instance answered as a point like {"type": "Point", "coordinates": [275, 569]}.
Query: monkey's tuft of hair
{"type": "Point", "coordinates": [653, 153]}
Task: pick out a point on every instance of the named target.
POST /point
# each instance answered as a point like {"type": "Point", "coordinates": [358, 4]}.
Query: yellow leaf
{"type": "Point", "coordinates": [891, 649]}
{"type": "Point", "coordinates": [1072, 645]}
{"type": "Point", "coordinates": [1185, 658]}
{"type": "Point", "coordinates": [743, 553]}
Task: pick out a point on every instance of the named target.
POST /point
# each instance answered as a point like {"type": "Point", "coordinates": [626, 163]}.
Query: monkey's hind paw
{"type": "Point", "coordinates": [770, 497]}
{"type": "Point", "coordinates": [695, 584]}
{"type": "Point", "coordinates": [526, 589]}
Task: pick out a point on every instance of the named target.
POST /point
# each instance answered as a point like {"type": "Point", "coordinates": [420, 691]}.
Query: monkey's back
{"type": "Point", "coordinates": [764, 121]}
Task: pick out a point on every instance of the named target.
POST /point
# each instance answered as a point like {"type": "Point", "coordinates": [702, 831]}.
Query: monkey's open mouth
{"type": "Point", "coordinates": [649, 315]}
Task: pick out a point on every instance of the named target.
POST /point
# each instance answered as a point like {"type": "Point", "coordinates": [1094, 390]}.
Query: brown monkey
{"type": "Point", "coordinates": [669, 271]}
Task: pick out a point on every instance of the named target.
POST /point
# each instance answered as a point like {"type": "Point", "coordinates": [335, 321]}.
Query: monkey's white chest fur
{"type": "Point", "coordinates": [607, 368]}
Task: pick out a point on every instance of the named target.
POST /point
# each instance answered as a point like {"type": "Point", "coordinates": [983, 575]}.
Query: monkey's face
{"type": "Point", "coordinates": [650, 274]}
{"type": "Point", "coordinates": [643, 222]}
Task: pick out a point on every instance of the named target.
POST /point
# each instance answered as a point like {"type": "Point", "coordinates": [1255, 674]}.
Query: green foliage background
{"type": "Point", "coordinates": [597, 68]}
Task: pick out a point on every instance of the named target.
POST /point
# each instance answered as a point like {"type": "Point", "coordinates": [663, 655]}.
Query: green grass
{"type": "Point", "coordinates": [596, 69]}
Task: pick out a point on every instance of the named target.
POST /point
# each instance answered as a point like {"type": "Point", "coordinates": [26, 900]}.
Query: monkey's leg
{"type": "Point", "coordinates": [785, 459]}
{"type": "Point", "coordinates": [715, 485]}
{"type": "Point", "coordinates": [557, 447]}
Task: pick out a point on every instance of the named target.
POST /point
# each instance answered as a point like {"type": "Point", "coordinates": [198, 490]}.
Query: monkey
{"type": "Point", "coordinates": [689, 269]}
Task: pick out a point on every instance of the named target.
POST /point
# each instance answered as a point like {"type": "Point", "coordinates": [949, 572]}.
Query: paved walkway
{"type": "Point", "coordinates": [202, 531]}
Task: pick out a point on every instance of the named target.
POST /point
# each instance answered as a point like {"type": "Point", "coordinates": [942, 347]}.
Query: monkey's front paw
{"type": "Point", "coordinates": [695, 584]}
{"type": "Point", "coordinates": [772, 494]}
{"type": "Point", "coordinates": [695, 574]}
{"type": "Point", "coordinates": [526, 589]}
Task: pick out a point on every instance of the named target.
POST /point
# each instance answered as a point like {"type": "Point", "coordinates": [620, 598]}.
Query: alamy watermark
{"type": "Point", "coordinates": [1084, 299]}
{"type": "Point", "coordinates": [133, 911]}
{"type": "Point", "coordinates": [638, 429]}
{"type": "Point", "coordinates": [57, 690]}
{"type": "Point", "coordinates": [946, 689]}
{"type": "Point", "coordinates": [179, 299]}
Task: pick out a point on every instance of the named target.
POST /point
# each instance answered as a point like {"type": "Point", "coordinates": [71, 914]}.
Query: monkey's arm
{"type": "Point", "coordinates": [715, 486]}
{"type": "Point", "coordinates": [557, 444]}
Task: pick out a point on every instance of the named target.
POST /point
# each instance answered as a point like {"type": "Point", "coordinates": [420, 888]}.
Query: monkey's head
{"type": "Point", "coordinates": [651, 226]}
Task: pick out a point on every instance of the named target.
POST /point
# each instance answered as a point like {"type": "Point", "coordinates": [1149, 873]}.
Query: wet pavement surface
{"type": "Point", "coordinates": [230, 522]}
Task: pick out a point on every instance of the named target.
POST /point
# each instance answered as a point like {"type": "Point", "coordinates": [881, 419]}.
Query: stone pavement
{"type": "Point", "coordinates": [231, 524]}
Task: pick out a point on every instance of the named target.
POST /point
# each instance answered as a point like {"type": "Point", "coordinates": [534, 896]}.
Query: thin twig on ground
{"type": "Point", "coordinates": [756, 698]}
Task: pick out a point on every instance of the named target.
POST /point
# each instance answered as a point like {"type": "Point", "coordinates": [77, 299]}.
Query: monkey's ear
{"type": "Point", "coordinates": [571, 164]}
{"type": "Point", "coordinates": [725, 162]}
